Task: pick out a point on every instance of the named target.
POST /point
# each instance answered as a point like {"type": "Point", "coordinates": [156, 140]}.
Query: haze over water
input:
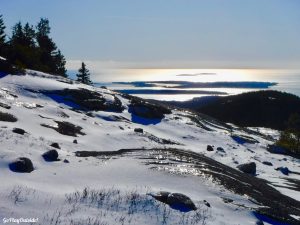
{"type": "Point", "coordinates": [288, 80]}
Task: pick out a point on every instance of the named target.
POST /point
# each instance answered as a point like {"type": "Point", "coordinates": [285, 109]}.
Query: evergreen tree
{"type": "Point", "coordinates": [290, 138]}
{"type": "Point", "coordinates": [22, 49]}
{"type": "Point", "coordinates": [2, 37]}
{"type": "Point", "coordinates": [60, 63]}
{"type": "Point", "coordinates": [52, 60]}
{"type": "Point", "coordinates": [83, 75]}
{"type": "Point", "coordinates": [29, 36]}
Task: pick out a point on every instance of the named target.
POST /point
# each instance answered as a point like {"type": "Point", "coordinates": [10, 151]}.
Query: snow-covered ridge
{"type": "Point", "coordinates": [85, 121]}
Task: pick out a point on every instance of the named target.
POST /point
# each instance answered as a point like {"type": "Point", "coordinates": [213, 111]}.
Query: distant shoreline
{"type": "Point", "coordinates": [169, 92]}
{"type": "Point", "coordinates": [188, 84]}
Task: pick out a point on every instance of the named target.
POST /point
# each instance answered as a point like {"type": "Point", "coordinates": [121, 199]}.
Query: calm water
{"type": "Point", "coordinates": [288, 80]}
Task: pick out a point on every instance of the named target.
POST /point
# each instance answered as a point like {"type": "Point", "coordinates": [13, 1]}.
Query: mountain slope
{"type": "Point", "coordinates": [90, 125]}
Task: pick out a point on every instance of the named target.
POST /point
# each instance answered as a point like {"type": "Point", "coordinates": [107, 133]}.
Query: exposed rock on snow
{"type": "Point", "coordinates": [283, 170]}
{"type": "Point", "coordinates": [66, 128]}
{"type": "Point", "coordinates": [21, 165]}
{"type": "Point", "coordinates": [209, 148]}
{"type": "Point", "coordinates": [7, 117]}
{"type": "Point", "coordinates": [249, 168]}
{"type": "Point", "coordinates": [138, 130]}
{"type": "Point", "coordinates": [244, 139]}
{"type": "Point", "coordinates": [176, 201]}
{"type": "Point", "coordinates": [147, 110]}
{"type": "Point", "coordinates": [19, 131]}
{"type": "Point", "coordinates": [85, 99]}
{"type": "Point", "coordinates": [55, 145]}
{"type": "Point", "coordinates": [267, 163]}
{"type": "Point", "coordinates": [51, 155]}
{"type": "Point", "coordinates": [5, 106]}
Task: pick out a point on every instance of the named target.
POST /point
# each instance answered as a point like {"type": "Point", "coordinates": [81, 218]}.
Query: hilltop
{"type": "Point", "coordinates": [78, 154]}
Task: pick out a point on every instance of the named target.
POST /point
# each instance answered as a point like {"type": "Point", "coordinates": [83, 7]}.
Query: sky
{"type": "Point", "coordinates": [169, 33]}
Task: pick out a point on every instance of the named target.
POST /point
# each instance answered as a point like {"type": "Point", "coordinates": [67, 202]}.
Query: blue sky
{"type": "Point", "coordinates": [169, 33]}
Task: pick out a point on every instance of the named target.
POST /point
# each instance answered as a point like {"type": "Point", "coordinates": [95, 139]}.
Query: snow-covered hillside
{"type": "Point", "coordinates": [116, 152]}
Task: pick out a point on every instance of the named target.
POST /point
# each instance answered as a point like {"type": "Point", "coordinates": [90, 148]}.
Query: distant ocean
{"type": "Point", "coordinates": [288, 80]}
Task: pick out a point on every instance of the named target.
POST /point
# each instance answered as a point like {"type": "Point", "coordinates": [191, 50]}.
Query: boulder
{"type": "Point", "coordinates": [220, 149]}
{"type": "Point", "coordinates": [66, 161]}
{"type": "Point", "coordinates": [283, 170]}
{"type": "Point", "coordinates": [209, 148]}
{"type": "Point", "coordinates": [138, 130]}
{"type": "Point", "coordinates": [267, 163]}
{"type": "Point", "coordinates": [19, 131]}
{"type": "Point", "coordinates": [176, 201]}
{"type": "Point", "coordinates": [55, 145]}
{"type": "Point", "coordinates": [180, 202]}
{"type": "Point", "coordinates": [21, 165]}
{"type": "Point", "coordinates": [249, 168]}
{"type": "Point", "coordinates": [75, 141]}
{"type": "Point", "coordinates": [206, 203]}
{"type": "Point", "coordinates": [51, 155]}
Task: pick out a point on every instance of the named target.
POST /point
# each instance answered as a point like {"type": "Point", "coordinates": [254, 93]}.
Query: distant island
{"type": "Point", "coordinates": [169, 92]}
{"type": "Point", "coordinates": [188, 84]}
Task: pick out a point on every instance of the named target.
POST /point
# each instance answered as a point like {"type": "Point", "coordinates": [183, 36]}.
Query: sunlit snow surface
{"type": "Point", "coordinates": [45, 193]}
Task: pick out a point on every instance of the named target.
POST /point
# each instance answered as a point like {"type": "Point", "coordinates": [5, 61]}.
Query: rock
{"type": "Point", "coordinates": [242, 139]}
{"type": "Point", "coordinates": [209, 148]}
{"type": "Point", "coordinates": [283, 170]}
{"type": "Point", "coordinates": [21, 165]}
{"type": "Point", "coordinates": [138, 130]}
{"type": "Point", "coordinates": [148, 110]}
{"type": "Point", "coordinates": [267, 163]}
{"type": "Point", "coordinates": [176, 201]}
{"type": "Point", "coordinates": [161, 196]}
{"type": "Point", "coordinates": [19, 131]}
{"type": "Point", "coordinates": [51, 155]}
{"type": "Point", "coordinates": [259, 222]}
{"type": "Point", "coordinates": [206, 203]}
{"type": "Point", "coordinates": [66, 161]}
{"type": "Point", "coordinates": [220, 149]}
{"type": "Point", "coordinates": [86, 100]}
{"type": "Point", "coordinates": [180, 202]}
{"type": "Point", "coordinates": [75, 141]}
{"type": "Point", "coordinates": [3, 105]}
{"type": "Point", "coordinates": [227, 200]}
{"type": "Point", "coordinates": [55, 145]}
{"type": "Point", "coordinates": [249, 168]}
{"type": "Point", "coordinates": [69, 129]}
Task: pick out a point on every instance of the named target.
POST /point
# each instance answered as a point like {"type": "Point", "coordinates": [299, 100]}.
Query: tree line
{"type": "Point", "coordinates": [31, 47]}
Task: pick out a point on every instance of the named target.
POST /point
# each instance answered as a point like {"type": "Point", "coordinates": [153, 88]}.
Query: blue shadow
{"type": "Point", "coordinates": [267, 219]}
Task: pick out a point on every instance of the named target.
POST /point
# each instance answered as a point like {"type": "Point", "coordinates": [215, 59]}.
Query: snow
{"type": "Point", "coordinates": [45, 188]}
{"type": "Point", "coordinates": [2, 58]}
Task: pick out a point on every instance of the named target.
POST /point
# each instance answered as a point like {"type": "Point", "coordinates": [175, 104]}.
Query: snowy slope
{"type": "Point", "coordinates": [43, 193]}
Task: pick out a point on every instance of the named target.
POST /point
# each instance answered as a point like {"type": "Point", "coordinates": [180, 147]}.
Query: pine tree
{"type": "Point", "coordinates": [83, 75]}
{"type": "Point", "coordinates": [60, 63]}
{"type": "Point", "coordinates": [29, 36]}
{"type": "Point", "coordinates": [52, 60]}
{"type": "Point", "coordinates": [2, 37]}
